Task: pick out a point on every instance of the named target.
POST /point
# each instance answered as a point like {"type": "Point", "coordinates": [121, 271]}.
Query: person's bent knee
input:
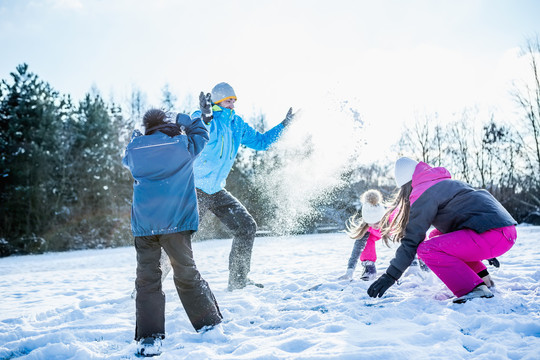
{"type": "Point", "coordinates": [423, 251]}
{"type": "Point", "coordinates": [251, 229]}
{"type": "Point", "coordinates": [247, 229]}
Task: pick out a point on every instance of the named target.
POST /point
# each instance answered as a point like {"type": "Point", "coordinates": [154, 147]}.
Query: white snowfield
{"type": "Point", "coordinates": [77, 305]}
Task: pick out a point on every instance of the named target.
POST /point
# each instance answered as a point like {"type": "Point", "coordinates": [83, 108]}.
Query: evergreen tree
{"type": "Point", "coordinates": [31, 117]}
{"type": "Point", "coordinates": [168, 99]}
{"type": "Point", "coordinates": [94, 185]}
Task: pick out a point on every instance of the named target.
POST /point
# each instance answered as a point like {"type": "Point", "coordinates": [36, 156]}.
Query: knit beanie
{"type": "Point", "coordinates": [372, 207]}
{"type": "Point", "coordinates": [153, 118]}
{"type": "Point", "coordinates": [222, 91]}
{"type": "Point", "coordinates": [404, 170]}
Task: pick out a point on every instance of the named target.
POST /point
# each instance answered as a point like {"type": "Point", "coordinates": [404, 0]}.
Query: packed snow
{"type": "Point", "coordinates": [77, 305]}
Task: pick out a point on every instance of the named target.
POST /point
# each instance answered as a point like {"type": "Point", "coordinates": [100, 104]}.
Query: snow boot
{"type": "Point", "coordinates": [481, 291]}
{"type": "Point", "coordinates": [422, 265]}
{"type": "Point", "coordinates": [370, 271]}
{"type": "Point", "coordinates": [236, 284]}
{"type": "Point", "coordinates": [149, 346]}
{"type": "Point", "coordinates": [488, 281]}
{"type": "Point", "coordinates": [251, 282]}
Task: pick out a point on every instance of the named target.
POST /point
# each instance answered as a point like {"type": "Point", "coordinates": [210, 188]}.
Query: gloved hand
{"type": "Point", "coordinates": [348, 275]}
{"type": "Point", "coordinates": [288, 118]}
{"type": "Point", "coordinates": [205, 103]}
{"type": "Point", "coordinates": [379, 287]}
{"type": "Point", "coordinates": [494, 262]}
{"type": "Point", "coordinates": [135, 134]}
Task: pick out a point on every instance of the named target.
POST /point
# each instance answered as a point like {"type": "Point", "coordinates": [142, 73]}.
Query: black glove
{"type": "Point", "coordinates": [379, 287]}
{"type": "Point", "coordinates": [288, 118]}
{"type": "Point", "coordinates": [494, 262]}
{"type": "Point", "coordinates": [205, 103]}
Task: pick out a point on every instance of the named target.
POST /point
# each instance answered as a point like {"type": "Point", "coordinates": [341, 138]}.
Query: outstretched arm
{"type": "Point", "coordinates": [262, 141]}
{"type": "Point", "coordinates": [359, 245]}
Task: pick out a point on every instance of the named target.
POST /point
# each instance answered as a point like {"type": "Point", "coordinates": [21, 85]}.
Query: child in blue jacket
{"type": "Point", "coordinates": [164, 215]}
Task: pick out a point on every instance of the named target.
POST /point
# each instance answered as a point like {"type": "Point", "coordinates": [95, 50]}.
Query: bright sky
{"type": "Point", "coordinates": [388, 59]}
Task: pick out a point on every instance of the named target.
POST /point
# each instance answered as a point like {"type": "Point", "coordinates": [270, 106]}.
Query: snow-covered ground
{"type": "Point", "coordinates": [77, 305]}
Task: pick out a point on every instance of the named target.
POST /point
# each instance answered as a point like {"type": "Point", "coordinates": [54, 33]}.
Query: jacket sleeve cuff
{"type": "Point", "coordinates": [394, 272]}
{"type": "Point", "coordinates": [207, 118]}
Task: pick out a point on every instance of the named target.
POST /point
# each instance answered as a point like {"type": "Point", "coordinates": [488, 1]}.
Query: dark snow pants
{"type": "Point", "coordinates": [243, 227]}
{"type": "Point", "coordinates": [195, 294]}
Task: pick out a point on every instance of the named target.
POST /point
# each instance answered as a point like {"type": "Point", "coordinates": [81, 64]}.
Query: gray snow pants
{"type": "Point", "coordinates": [243, 227]}
{"type": "Point", "coordinates": [198, 300]}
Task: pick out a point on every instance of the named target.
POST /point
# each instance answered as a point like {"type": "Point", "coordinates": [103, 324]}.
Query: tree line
{"type": "Point", "coordinates": [63, 187]}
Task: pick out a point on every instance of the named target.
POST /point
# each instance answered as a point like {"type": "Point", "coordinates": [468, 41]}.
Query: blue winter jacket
{"type": "Point", "coordinates": [164, 197]}
{"type": "Point", "coordinates": [227, 132]}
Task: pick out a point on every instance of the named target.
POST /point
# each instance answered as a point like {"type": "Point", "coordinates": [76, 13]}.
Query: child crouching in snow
{"type": "Point", "coordinates": [471, 226]}
{"type": "Point", "coordinates": [164, 215]}
{"type": "Point", "coordinates": [366, 232]}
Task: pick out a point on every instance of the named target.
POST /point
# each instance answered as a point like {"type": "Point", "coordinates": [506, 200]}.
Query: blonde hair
{"type": "Point", "coordinates": [395, 220]}
{"type": "Point", "coordinates": [356, 227]}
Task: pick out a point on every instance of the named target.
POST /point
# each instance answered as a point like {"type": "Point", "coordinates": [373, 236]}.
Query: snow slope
{"type": "Point", "coordinates": [77, 305]}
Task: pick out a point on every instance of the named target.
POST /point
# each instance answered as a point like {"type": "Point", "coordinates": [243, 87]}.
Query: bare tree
{"type": "Point", "coordinates": [528, 97]}
{"type": "Point", "coordinates": [423, 139]}
{"type": "Point", "coordinates": [460, 140]}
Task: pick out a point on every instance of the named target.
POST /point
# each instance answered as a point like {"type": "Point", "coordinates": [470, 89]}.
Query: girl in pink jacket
{"type": "Point", "coordinates": [366, 232]}
{"type": "Point", "coordinates": [471, 226]}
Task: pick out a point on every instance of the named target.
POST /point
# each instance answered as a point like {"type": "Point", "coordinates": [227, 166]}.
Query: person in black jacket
{"type": "Point", "coordinates": [471, 226]}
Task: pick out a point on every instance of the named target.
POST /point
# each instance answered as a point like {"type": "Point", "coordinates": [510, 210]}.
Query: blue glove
{"type": "Point", "coordinates": [379, 287]}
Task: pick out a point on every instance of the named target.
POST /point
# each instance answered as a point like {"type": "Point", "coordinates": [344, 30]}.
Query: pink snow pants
{"type": "Point", "coordinates": [369, 252]}
{"type": "Point", "coordinates": [456, 257]}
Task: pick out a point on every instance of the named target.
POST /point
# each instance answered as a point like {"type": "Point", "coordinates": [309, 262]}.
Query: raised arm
{"type": "Point", "coordinates": [196, 132]}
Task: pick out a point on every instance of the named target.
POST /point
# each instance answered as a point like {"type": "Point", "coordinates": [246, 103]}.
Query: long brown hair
{"type": "Point", "coordinates": [396, 218]}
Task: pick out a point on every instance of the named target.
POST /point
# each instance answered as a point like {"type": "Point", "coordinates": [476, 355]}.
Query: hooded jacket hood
{"type": "Point", "coordinates": [424, 177]}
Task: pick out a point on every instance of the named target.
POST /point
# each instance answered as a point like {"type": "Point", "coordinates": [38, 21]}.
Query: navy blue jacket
{"type": "Point", "coordinates": [164, 198]}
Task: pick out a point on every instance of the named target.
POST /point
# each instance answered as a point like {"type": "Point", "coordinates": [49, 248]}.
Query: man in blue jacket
{"type": "Point", "coordinates": [164, 215]}
{"type": "Point", "coordinates": [227, 132]}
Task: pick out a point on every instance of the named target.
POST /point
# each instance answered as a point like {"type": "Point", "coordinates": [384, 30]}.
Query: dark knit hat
{"type": "Point", "coordinates": [158, 120]}
{"type": "Point", "coordinates": [153, 118]}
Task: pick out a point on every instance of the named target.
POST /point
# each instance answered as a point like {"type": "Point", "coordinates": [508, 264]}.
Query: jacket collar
{"type": "Point", "coordinates": [217, 108]}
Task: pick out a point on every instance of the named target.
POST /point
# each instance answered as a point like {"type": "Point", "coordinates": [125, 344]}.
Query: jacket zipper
{"type": "Point", "coordinates": [222, 144]}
